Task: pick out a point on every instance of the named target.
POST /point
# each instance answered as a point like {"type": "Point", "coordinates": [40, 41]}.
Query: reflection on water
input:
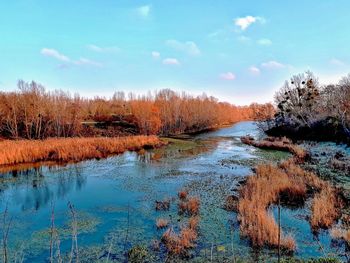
{"type": "Point", "coordinates": [32, 189]}
{"type": "Point", "coordinates": [115, 199]}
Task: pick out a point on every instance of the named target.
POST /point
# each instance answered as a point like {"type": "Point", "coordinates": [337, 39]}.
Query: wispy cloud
{"type": "Point", "coordinates": [254, 70]}
{"type": "Point", "coordinates": [155, 54]}
{"type": "Point", "coordinates": [265, 42]}
{"type": "Point", "coordinates": [227, 76]}
{"type": "Point", "coordinates": [103, 49]}
{"type": "Point", "coordinates": [337, 62]}
{"type": "Point", "coordinates": [85, 61]}
{"type": "Point", "coordinates": [144, 11]}
{"type": "Point", "coordinates": [244, 22]}
{"type": "Point", "coordinates": [49, 52]}
{"type": "Point", "coordinates": [188, 47]}
{"type": "Point", "coordinates": [272, 64]}
{"type": "Point", "coordinates": [171, 61]}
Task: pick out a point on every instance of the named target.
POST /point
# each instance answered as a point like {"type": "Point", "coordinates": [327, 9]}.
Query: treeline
{"type": "Point", "coordinates": [309, 110]}
{"type": "Point", "coordinates": [31, 112]}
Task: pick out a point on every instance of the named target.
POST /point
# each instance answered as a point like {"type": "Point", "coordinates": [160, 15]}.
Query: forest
{"type": "Point", "coordinates": [32, 112]}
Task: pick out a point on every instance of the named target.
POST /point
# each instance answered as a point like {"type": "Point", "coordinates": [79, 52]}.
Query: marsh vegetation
{"type": "Point", "coordinates": [171, 204]}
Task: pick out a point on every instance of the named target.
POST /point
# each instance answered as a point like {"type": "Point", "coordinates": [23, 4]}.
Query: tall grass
{"type": "Point", "coordinates": [260, 191]}
{"type": "Point", "coordinates": [288, 181]}
{"type": "Point", "coordinates": [178, 243]}
{"type": "Point", "coordinates": [70, 149]}
{"type": "Point", "coordinates": [275, 143]}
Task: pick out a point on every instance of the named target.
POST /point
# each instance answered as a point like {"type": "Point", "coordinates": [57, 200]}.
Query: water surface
{"type": "Point", "coordinates": [115, 201]}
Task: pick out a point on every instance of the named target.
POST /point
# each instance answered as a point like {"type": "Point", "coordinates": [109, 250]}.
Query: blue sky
{"type": "Point", "coordinates": [238, 51]}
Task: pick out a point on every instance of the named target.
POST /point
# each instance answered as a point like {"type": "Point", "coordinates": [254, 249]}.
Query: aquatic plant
{"type": "Point", "coordinates": [182, 194]}
{"type": "Point", "coordinates": [231, 203]}
{"type": "Point", "coordinates": [162, 223]}
{"type": "Point", "coordinates": [179, 243]}
{"type": "Point", "coordinates": [190, 206]}
{"type": "Point", "coordinates": [70, 149]}
{"type": "Point", "coordinates": [163, 205]}
{"type": "Point", "coordinates": [137, 254]}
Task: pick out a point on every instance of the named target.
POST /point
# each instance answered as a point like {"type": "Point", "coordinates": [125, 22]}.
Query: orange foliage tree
{"type": "Point", "coordinates": [33, 113]}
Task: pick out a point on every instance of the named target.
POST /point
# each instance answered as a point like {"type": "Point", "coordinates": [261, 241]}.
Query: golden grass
{"type": "Point", "coordinates": [189, 206]}
{"type": "Point", "coordinates": [282, 144]}
{"type": "Point", "coordinates": [70, 149]}
{"type": "Point", "coordinates": [182, 194]}
{"type": "Point", "coordinates": [287, 181]}
{"type": "Point", "coordinates": [260, 191]}
{"type": "Point", "coordinates": [340, 233]}
{"type": "Point", "coordinates": [324, 210]}
{"type": "Point", "coordinates": [162, 223]}
{"type": "Point", "coordinates": [326, 205]}
{"type": "Point", "coordinates": [179, 243]}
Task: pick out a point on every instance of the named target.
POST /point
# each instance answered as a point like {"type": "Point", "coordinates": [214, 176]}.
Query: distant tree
{"type": "Point", "coordinates": [297, 100]}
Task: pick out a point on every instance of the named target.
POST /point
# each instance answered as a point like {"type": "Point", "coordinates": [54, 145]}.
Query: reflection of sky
{"type": "Point", "coordinates": [108, 188]}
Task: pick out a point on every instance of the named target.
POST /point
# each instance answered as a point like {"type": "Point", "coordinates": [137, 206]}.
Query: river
{"type": "Point", "coordinates": [114, 199]}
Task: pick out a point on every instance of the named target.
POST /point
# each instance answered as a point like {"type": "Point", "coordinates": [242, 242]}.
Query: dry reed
{"type": "Point", "coordinates": [189, 206]}
{"type": "Point", "coordinates": [260, 191]}
{"type": "Point", "coordinates": [275, 143]}
{"type": "Point", "coordinates": [162, 223]}
{"type": "Point", "coordinates": [288, 181]}
{"type": "Point", "coordinates": [182, 194]}
{"type": "Point", "coordinates": [70, 149]}
{"type": "Point", "coordinates": [179, 243]}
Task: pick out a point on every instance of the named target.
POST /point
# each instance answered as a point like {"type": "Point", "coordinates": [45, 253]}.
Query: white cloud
{"type": "Point", "coordinates": [188, 47]}
{"type": "Point", "coordinates": [254, 70]}
{"type": "Point", "coordinates": [216, 33]}
{"type": "Point", "coordinates": [144, 11]}
{"type": "Point", "coordinates": [244, 22]}
{"type": "Point", "coordinates": [272, 65]}
{"type": "Point", "coordinates": [265, 42]}
{"type": "Point", "coordinates": [103, 49]}
{"type": "Point", "coordinates": [227, 76]}
{"type": "Point", "coordinates": [336, 62]}
{"type": "Point", "coordinates": [155, 54]}
{"type": "Point", "coordinates": [171, 61]}
{"type": "Point", "coordinates": [48, 52]}
{"type": "Point", "coordinates": [85, 61]}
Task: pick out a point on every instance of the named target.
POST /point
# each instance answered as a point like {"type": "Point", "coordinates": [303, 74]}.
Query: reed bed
{"type": "Point", "coordinates": [290, 182]}
{"type": "Point", "coordinates": [71, 149]}
{"type": "Point", "coordinates": [278, 143]}
{"type": "Point", "coordinates": [341, 233]}
{"type": "Point", "coordinates": [179, 243]}
{"type": "Point", "coordinates": [260, 191]}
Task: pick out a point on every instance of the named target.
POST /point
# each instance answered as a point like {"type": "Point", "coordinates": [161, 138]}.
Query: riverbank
{"type": "Point", "coordinates": [62, 150]}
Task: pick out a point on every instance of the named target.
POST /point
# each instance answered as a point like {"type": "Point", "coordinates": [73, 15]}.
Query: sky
{"type": "Point", "coordinates": [237, 51]}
